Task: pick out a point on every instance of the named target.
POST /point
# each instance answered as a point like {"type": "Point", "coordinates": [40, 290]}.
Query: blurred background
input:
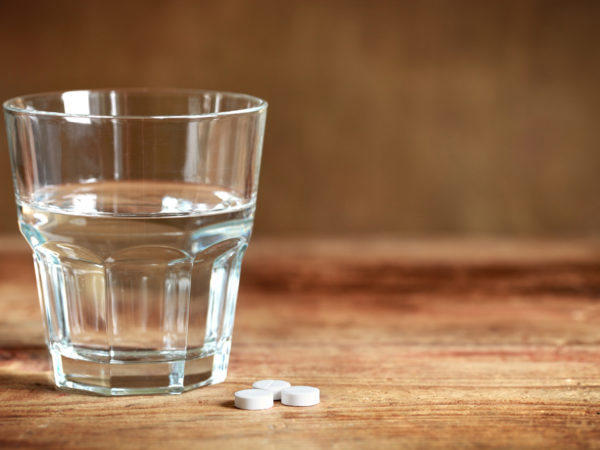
{"type": "Point", "coordinates": [386, 117]}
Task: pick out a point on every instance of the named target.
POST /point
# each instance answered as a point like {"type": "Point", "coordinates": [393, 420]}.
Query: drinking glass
{"type": "Point", "coordinates": [138, 206]}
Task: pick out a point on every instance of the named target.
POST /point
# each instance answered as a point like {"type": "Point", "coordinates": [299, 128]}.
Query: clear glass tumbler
{"type": "Point", "coordinates": [138, 206]}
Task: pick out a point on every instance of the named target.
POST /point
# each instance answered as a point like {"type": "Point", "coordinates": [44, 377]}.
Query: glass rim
{"type": "Point", "coordinates": [261, 105]}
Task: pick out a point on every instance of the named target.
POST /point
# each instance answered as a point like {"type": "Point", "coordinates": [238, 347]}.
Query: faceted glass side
{"type": "Point", "coordinates": [146, 319]}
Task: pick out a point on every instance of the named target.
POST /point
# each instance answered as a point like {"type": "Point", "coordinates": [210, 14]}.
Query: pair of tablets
{"type": "Point", "coordinates": [265, 391]}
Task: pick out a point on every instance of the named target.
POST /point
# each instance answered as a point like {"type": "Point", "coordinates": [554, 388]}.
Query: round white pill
{"type": "Point", "coordinates": [300, 396]}
{"type": "Point", "coordinates": [253, 399]}
{"type": "Point", "coordinates": [274, 386]}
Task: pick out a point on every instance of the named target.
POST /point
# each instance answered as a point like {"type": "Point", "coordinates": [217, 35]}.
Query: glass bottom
{"type": "Point", "coordinates": [140, 374]}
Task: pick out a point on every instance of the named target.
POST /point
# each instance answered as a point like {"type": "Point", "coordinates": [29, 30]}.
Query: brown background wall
{"type": "Point", "coordinates": [433, 117]}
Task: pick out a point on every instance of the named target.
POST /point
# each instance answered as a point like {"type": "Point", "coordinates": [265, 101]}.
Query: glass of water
{"type": "Point", "coordinates": [138, 206]}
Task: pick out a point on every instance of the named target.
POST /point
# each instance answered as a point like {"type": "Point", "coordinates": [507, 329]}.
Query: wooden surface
{"type": "Point", "coordinates": [432, 344]}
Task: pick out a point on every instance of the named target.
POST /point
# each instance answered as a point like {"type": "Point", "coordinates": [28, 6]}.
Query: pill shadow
{"type": "Point", "coordinates": [229, 404]}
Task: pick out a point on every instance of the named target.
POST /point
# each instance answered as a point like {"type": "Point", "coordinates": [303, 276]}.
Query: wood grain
{"type": "Point", "coordinates": [438, 344]}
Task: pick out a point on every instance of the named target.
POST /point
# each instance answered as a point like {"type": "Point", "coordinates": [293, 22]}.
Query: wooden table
{"type": "Point", "coordinates": [436, 344]}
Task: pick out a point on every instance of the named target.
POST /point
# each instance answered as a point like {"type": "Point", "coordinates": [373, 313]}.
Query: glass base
{"type": "Point", "coordinates": [138, 377]}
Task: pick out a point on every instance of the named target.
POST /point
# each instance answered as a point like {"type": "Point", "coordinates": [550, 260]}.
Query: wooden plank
{"type": "Point", "coordinates": [438, 344]}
